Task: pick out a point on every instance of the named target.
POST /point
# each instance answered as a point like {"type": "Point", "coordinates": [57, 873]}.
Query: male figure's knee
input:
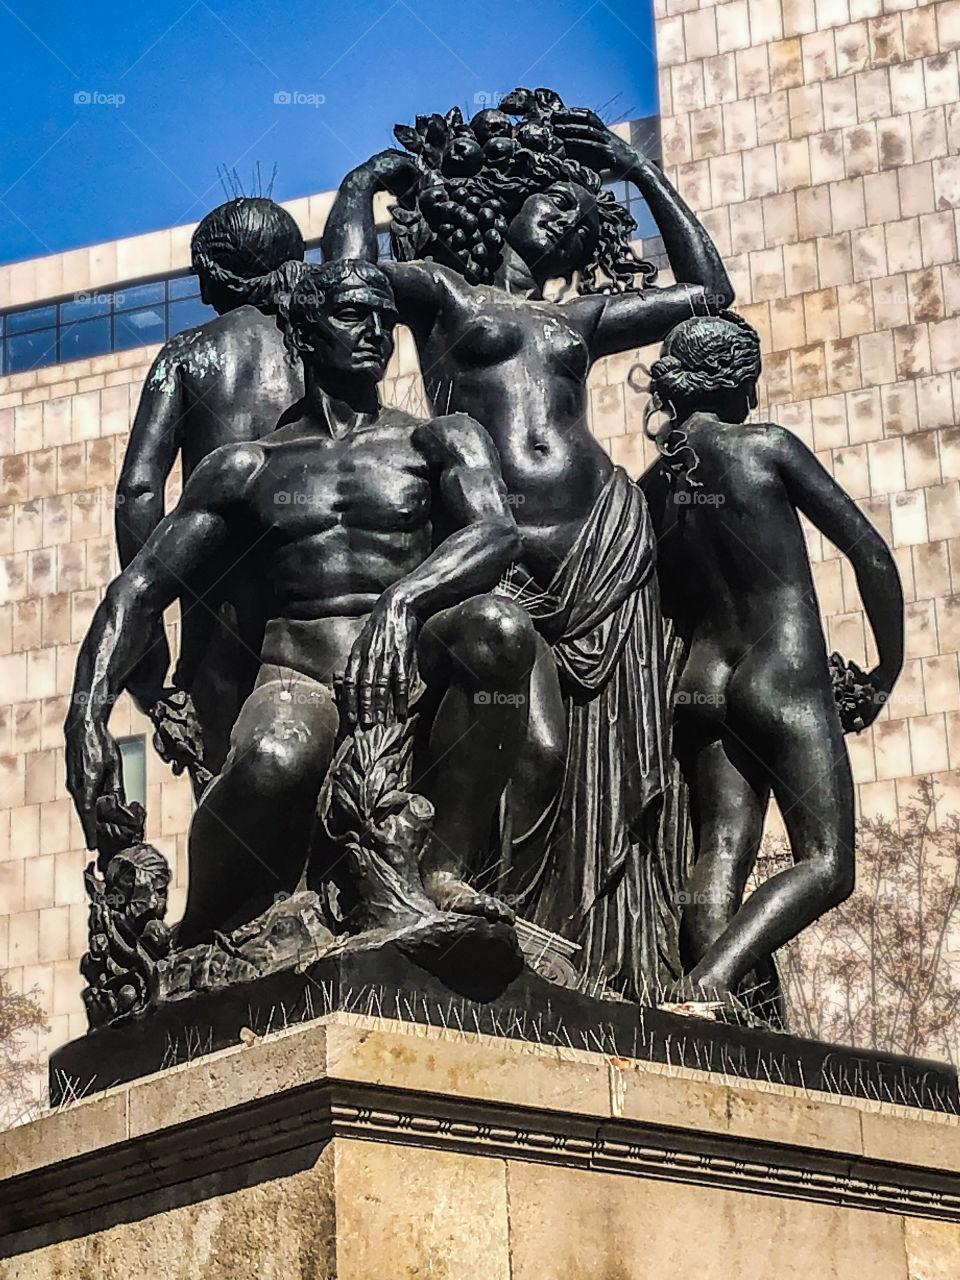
{"type": "Point", "coordinates": [499, 642]}
{"type": "Point", "coordinates": [276, 767]}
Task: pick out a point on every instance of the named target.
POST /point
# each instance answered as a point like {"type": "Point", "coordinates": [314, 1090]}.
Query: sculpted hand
{"type": "Point", "coordinates": [881, 688]}
{"type": "Point", "coordinates": [380, 664]}
{"type": "Point", "coordinates": [396, 171]}
{"type": "Point", "coordinates": [94, 775]}
{"type": "Point", "coordinates": [588, 140]}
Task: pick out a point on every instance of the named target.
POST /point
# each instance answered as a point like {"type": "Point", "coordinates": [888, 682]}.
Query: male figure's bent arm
{"type": "Point", "coordinates": [124, 625]}
{"type": "Point", "coordinates": [471, 502]}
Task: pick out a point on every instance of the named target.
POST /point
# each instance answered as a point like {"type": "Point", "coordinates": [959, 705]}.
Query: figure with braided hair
{"type": "Point", "coordinates": [488, 213]}
{"type": "Point", "coordinates": [225, 381]}
{"type": "Point", "coordinates": [754, 707]}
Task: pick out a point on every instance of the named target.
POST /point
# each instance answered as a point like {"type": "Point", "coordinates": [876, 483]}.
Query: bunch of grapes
{"type": "Point", "coordinates": [470, 225]}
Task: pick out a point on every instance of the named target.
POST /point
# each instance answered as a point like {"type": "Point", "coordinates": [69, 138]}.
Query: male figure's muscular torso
{"type": "Point", "coordinates": [328, 523]}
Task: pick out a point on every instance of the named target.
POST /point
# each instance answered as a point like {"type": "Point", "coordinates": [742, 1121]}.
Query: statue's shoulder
{"type": "Point", "coordinates": [190, 351]}
{"type": "Point", "coordinates": [456, 437]}
{"type": "Point", "coordinates": [226, 471]}
{"type": "Point", "coordinates": [765, 443]}
{"type": "Point", "coordinates": [422, 278]}
{"type": "Point", "coordinates": [400, 420]}
{"type": "Point", "coordinates": [203, 348]}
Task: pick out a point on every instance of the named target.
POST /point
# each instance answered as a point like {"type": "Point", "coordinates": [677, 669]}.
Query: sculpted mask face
{"type": "Point", "coordinates": [140, 880]}
{"type": "Point", "coordinates": [557, 231]}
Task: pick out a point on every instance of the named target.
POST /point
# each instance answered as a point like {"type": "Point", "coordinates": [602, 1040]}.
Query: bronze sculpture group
{"type": "Point", "coordinates": [448, 678]}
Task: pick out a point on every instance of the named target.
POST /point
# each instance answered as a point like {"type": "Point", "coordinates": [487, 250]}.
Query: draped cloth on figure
{"type": "Point", "coordinates": [598, 881]}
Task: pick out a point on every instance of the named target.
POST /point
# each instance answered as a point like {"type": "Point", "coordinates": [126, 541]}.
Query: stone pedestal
{"type": "Point", "coordinates": [365, 1149]}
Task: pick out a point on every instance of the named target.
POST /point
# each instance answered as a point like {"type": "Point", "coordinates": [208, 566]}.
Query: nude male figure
{"type": "Point", "coordinates": [378, 535]}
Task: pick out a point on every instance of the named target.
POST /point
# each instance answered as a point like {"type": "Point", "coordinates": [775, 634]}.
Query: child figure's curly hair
{"type": "Point", "coordinates": [705, 354]}
{"type": "Point", "coordinates": [699, 357]}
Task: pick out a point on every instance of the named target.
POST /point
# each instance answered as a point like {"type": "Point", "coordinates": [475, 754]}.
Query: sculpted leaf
{"type": "Point", "coordinates": [408, 138]}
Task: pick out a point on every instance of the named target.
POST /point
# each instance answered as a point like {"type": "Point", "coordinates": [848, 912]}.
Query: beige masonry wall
{"type": "Point", "coordinates": [821, 145]}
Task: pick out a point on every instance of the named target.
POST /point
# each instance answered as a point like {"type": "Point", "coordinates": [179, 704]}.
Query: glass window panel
{"type": "Point", "coordinates": [384, 245]}
{"type": "Point", "coordinates": [183, 287]}
{"type": "Point", "coordinates": [185, 315]}
{"type": "Point", "coordinates": [313, 254]}
{"type": "Point", "coordinates": [140, 295]}
{"type": "Point", "coordinates": [97, 304]}
{"type": "Point", "coordinates": [137, 328]}
{"type": "Point", "coordinates": [35, 318]}
{"type": "Point", "coordinates": [620, 191]}
{"type": "Point", "coordinates": [646, 227]}
{"type": "Point", "coordinates": [88, 338]}
{"type": "Point", "coordinates": [30, 350]}
{"type": "Point", "coordinates": [133, 758]}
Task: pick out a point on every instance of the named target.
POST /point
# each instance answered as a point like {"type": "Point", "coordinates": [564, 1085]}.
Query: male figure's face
{"type": "Point", "coordinates": [354, 333]}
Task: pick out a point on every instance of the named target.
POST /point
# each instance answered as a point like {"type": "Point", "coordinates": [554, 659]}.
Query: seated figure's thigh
{"type": "Point", "coordinates": [287, 713]}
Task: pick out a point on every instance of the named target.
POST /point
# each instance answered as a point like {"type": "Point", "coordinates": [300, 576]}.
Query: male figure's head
{"type": "Point", "coordinates": [238, 250]}
{"type": "Point", "coordinates": [340, 321]}
{"type": "Point", "coordinates": [708, 364]}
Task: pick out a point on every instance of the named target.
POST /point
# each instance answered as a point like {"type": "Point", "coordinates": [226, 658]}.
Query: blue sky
{"type": "Point", "coordinates": [198, 79]}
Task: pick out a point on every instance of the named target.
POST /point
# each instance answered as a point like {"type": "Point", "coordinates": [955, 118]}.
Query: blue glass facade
{"type": "Point", "coordinates": [90, 324]}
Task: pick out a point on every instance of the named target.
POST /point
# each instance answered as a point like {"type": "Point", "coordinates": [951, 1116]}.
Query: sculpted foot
{"type": "Point", "coordinates": [450, 894]}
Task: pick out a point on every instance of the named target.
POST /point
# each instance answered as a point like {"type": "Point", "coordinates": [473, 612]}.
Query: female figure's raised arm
{"type": "Point", "coordinates": [351, 230]}
{"type": "Point", "coordinates": [702, 286]}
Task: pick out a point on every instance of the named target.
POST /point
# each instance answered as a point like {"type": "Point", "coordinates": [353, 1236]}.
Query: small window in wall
{"type": "Point", "coordinates": [133, 758]}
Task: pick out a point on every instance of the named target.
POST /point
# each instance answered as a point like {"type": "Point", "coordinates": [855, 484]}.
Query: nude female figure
{"type": "Point", "coordinates": [755, 712]}
{"type": "Point", "coordinates": [519, 365]}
